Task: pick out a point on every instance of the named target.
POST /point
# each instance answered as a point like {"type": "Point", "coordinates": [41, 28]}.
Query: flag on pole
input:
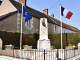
{"type": "Point", "coordinates": [26, 14]}
{"type": "Point", "coordinates": [66, 13]}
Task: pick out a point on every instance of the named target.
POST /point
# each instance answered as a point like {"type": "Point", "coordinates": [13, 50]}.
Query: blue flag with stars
{"type": "Point", "coordinates": [26, 14]}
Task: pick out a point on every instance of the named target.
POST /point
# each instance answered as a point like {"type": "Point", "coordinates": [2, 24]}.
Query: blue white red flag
{"type": "Point", "coordinates": [66, 13]}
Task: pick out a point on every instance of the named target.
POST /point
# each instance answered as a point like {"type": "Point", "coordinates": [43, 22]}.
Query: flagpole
{"type": "Point", "coordinates": [21, 32]}
{"type": "Point", "coordinates": [61, 25]}
{"type": "Point", "coordinates": [61, 34]}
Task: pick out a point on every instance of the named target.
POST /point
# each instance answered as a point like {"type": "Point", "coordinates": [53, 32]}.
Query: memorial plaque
{"type": "Point", "coordinates": [44, 44]}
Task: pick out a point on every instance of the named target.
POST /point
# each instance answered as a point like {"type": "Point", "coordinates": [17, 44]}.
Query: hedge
{"type": "Point", "coordinates": [32, 38]}
{"type": "Point", "coordinates": [73, 38]}
{"type": "Point", "coordinates": [55, 39]}
{"type": "Point", "coordinates": [14, 38]}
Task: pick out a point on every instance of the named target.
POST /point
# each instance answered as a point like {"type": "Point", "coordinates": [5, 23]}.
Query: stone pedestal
{"type": "Point", "coordinates": [43, 44]}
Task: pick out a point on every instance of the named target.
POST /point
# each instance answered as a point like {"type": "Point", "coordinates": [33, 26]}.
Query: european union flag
{"type": "Point", "coordinates": [26, 14]}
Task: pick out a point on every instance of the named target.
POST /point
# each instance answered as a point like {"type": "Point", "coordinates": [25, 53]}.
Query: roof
{"type": "Point", "coordinates": [7, 15]}
{"type": "Point", "coordinates": [39, 15]}
{"type": "Point", "coordinates": [0, 2]}
{"type": "Point", "coordinates": [33, 12]}
{"type": "Point", "coordinates": [66, 25]}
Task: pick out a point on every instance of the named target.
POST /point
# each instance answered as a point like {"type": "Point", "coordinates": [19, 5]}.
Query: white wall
{"type": "Point", "coordinates": [57, 29]}
{"type": "Point", "coordinates": [6, 7]}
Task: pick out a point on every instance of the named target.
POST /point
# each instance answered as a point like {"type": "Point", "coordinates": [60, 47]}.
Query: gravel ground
{"type": "Point", "coordinates": [78, 59]}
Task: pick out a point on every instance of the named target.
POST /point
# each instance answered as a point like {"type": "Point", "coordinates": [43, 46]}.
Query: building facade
{"type": "Point", "coordinates": [10, 19]}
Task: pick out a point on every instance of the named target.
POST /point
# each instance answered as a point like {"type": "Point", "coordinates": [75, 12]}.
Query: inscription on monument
{"type": "Point", "coordinates": [43, 32]}
{"type": "Point", "coordinates": [44, 45]}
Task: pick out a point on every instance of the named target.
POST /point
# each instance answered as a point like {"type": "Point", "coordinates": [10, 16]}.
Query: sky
{"type": "Point", "coordinates": [71, 5]}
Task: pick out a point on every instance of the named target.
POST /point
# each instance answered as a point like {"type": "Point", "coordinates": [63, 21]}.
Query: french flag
{"type": "Point", "coordinates": [66, 13]}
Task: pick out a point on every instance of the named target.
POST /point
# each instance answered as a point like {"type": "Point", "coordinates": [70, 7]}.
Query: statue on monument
{"type": "Point", "coordinates": [43, 23]}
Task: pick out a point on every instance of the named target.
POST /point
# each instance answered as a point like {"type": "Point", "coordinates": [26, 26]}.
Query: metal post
{"type": "Point", "coordinates": [64, 54]}
{"type": "Point", "coordinates": [57, 55]}
{"type": "Point", "coordinates": [61, 26]}
{"type": "Point", "coordinates": [74, 53]}
{"type": "Point", "coordinates": [44, 54]}
{"type": "Point", "coordinates": [21, 32]}
{"type": "Point", "coordinates": [13, 52]}
{"type": "Point", "coordinates": [35, 54]}
{"type": "Point", "coordinates": [61, 33]}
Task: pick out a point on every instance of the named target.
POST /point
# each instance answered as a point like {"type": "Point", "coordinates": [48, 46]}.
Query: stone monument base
{"type": "Point", "coordinates": [43, 44]}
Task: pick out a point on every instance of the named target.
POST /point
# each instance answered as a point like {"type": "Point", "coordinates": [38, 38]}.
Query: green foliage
{"type": "Point", "coordinates": [14, 39]}
{"type": "Point", "coordinates": [11, 38]}
{"type": "Point", "coordinates": [73, 38]}
{"type": "Point", "coordinates": [32, 38]}
{"type": "Point", "coordinates": [55, 39]}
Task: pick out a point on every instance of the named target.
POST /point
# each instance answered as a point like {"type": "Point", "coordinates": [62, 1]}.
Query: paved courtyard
{"type": "Point", "coordinates": [8, 58]}
{"type": "Point", "coordinates": [78, 59]}
{"type": "Point", "coordinates": [11, 58]}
